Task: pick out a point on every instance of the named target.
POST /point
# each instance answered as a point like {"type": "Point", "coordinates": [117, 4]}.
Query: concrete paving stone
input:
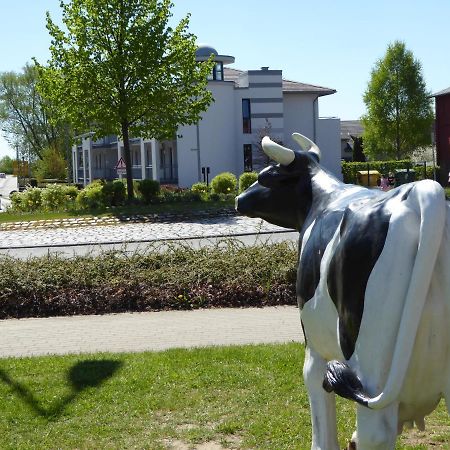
{"type": "Point", "coordinates": [154, 331]}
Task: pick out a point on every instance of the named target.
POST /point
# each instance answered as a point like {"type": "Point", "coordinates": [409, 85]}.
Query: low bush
{"type": "Point", "coordinates": [58, 197]}
{"type": "Point", "coordinates": [228, 274]}
{"type": "Point", "coordinates": [92, 196]}
{"type": "Point", "coordinates": [28, 200]}
{"type": "Point", "coordinates": [148, 190]}
{"type": "Point", "coordinates": [224, 183]}
{"type": "Point", "coordinates": [114, 193]}
{"type": "Point", "coordinates": [200, 188]}
{"type": "Point", "coordinates": [246, 180]}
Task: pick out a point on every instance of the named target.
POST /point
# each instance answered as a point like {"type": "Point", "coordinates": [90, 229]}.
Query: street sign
{"type": "Point", "coordinates": [121, 164]}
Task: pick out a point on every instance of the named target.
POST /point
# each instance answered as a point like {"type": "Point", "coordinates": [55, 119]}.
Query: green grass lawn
{"type": "Point", "coordinates": [233, 397]}
{"type": "Point", "coordinates": [127, 210]}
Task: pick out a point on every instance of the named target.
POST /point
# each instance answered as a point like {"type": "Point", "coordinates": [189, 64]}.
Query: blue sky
{"type": "Point", "coordinates": [329, 43]}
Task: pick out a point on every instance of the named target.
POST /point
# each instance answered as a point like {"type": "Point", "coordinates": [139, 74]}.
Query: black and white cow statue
{"type": "Point", "coordinates": [373, 288]}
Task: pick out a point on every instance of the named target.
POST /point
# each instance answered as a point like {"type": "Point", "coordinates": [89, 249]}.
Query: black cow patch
{"type": "Point", "coordinates": [308, 275]}
{"type": "Point", "coordinates": [362, 236]}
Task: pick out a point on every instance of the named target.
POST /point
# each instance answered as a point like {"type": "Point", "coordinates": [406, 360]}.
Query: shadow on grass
{"type": "Point", "coordinates": [83, 375]}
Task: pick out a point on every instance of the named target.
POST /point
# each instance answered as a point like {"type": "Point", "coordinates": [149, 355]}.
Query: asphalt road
{"type": "Point", "coordinates": [71, 250]}
{"type": "Point", "coordinates": [7, 185]}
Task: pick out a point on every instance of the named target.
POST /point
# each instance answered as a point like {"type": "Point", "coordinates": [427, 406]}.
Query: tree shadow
{"type": "Point", "coordinates": [83, 375]}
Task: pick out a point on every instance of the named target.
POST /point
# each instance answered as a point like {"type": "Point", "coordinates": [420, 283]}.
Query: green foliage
{"type": "Point", "coordinates": [116, 58]}
{"type": "Point", "coordinates": [246, 180]}
{"type": "Point", "coordinates": [56, 197]}
{"type": "Point", "coordinates": [148, 189]}
{"type": "Point", "coordinates": [114, 193]}
{"type": "Point", "coordinates": [92, 196]}
{"type": "Point", "coordinates": [350, 169]}
{"type": "Point", "coordinates": [28, 120]}
{"type": "Point", "coordinates": [52, 165]}
{"type": "Point", "coordinates": [224, 183]}
{"type": "Point", "coordinates": [399, 108]}
{"type": "Point", "coordinates": [358, 150]}
{"type": "Point", "coordinates": [200, 188]}
{"type": "Point", "coordinates": [28, 200]}
{"type": "Point", "coordinates": [6, 165]}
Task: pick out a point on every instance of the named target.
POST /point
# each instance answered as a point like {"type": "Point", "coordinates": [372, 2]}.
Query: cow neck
{"type": "Point", "coordinates": [324, 188]}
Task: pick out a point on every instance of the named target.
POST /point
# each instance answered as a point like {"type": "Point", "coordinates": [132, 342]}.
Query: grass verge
{"type": "Point", "coordinates": [119, 211]}
{"type": "Point", "coordinates": [232, 397]}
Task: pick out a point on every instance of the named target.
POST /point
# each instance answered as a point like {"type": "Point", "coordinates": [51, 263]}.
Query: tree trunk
{"type": "Point", "coordinates": [127, 154]}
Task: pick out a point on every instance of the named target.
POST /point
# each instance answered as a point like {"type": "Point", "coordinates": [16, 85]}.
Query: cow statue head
{"type": "Point", "coordinates": [283, 193]}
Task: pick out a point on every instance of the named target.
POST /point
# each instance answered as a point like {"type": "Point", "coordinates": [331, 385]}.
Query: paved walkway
{"type": "Point", "coordinates": [155, 331]}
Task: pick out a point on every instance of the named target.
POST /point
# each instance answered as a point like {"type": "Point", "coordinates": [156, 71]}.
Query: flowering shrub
{"type": "Point", "coordinates": [58, 196]}
{"type": "Point", "coordinates": [224, 183]}
{"type": "Point", "coordinates": [200, 188]}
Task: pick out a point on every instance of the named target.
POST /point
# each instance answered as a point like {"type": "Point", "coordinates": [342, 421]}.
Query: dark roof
{"type": "Point", "coordinates": [288, 85]}
{"type": "Point", "coordinates": [443, 92]}
{"type": "Point", "coordinates": [351, 128]}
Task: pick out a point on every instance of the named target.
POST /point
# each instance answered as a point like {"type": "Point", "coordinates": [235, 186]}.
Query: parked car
{"type": "Point", "coordinates": [2, 175]}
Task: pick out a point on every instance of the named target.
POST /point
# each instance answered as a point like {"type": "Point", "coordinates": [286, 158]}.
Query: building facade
{"type": "Point", "coordinates": [442, 133]}
{"type": "Point", "coordinates": [247, 105]}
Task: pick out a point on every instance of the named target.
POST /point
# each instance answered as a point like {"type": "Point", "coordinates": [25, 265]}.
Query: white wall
{"type": "Point", "coordinates": [217, 138]}
{"type": "Point", "coordinates": [329, 142]}
{"type": "Point", "coordinates": [298, 116]}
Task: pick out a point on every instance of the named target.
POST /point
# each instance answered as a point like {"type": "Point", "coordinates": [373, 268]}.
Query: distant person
{"type": "Point", "coordinates": [391, 180]}
{"type": "Point", "coordinates": [384, 183]}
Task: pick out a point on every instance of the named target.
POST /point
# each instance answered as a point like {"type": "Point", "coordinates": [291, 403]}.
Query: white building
{"type": "Point", "coordinates": [248, 104]}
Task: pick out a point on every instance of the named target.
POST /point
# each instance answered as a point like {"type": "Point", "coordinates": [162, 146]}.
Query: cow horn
{"type": "Point", "coordinates": [277, 152]}
{"type": "Point", "coordinates": [306, 144]}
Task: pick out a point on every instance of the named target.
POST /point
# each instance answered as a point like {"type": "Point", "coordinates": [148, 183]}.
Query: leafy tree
{"type": "Point", "coordinates": [24, 115]}
{"type": "Point", "coordinates": [6, 164]}
{"type": "Point", "coordinates": [51, 165]}
{"type": "Point", "coordinates": [399, 112]}
{"type": "Point", "coordinates": [121, 69]}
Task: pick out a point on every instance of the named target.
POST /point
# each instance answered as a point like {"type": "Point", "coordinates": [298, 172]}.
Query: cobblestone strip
{"type": "Point", "coordinates": [135, 232]}
{"type": "Point", "coordinates": [153, 331]}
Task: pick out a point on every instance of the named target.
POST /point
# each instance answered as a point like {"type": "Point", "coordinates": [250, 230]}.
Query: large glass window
{"type": "Point", "coordinates": [246, 119]}
{"type": "Point", "coordinates": [248, 158]}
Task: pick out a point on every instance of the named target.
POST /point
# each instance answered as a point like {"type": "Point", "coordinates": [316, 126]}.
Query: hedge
{"type": "Point", "coordinates": [228, 274]}
{"type": "Point", "coordinates": [350, 169]}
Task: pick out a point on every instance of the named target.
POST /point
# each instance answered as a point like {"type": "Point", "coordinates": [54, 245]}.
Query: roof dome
{"type": "Point", "coordinates": [204, 51]}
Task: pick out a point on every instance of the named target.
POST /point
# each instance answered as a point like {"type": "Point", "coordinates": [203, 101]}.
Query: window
{"type": "Point", "coordinates": [246, 120]}
{"type": "Point", "coordinates": [217, 72]}
{"type": "Point", "coordinates": [248, 159]}
{"type": "Point", "coordinates": [135, 155]}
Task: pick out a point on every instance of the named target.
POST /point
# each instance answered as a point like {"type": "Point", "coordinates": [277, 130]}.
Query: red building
{"type": "Point", "coordinates": [443, 133]}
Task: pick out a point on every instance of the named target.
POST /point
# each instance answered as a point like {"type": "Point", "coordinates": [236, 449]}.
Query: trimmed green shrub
{"type": "Point", "coordinates": [246, 180]}
{"type": "Point", "coordinates": [148, 189]}
{"type": "Point", "coordinates": [114, 193]}
{"type": "Point", "coordinates": [224, 183]}
{"type": "Point", "coordinates": [200, 188]}
{"type": "Point", "coordinates": [92, 196]}
{"type": "Point", "coordinates": [58, 197]}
